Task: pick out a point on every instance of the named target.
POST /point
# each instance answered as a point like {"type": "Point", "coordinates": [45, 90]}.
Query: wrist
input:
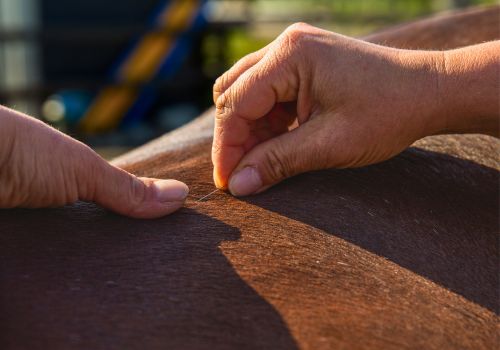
{"type": "Point", "coordinates": [468, 84]}
{"type": "Point", "coordinates": [421, 90]}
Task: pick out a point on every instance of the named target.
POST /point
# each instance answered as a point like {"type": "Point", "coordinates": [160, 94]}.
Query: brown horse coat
{"type": "Point", "coordinates": [403, 254]}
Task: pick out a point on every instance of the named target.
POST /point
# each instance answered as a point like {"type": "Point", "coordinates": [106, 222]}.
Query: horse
{"type": "Point", "coordinates": [401, 254]}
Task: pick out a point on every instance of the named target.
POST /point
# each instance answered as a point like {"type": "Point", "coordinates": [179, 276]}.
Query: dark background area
{"type": "Point", "coordinates": [53, 46]}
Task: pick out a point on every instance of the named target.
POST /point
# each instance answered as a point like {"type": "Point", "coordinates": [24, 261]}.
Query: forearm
{"type": "Point", "coordinates": [469, 89]}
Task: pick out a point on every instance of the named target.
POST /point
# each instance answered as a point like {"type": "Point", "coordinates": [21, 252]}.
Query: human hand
{"type": "Point", "coordinates": [42, 167]}
{"type": "Point", "coordinates": [313, 99]}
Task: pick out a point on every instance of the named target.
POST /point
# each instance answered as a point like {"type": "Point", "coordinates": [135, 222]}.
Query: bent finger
{"type": "Point", "coordinates": [229, 77]}
{"type": "Point", "coordinates": [250, 97]}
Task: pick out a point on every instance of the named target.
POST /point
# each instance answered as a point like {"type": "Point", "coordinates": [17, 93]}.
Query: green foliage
{"type": "Point", "coordinates": [240, 44]}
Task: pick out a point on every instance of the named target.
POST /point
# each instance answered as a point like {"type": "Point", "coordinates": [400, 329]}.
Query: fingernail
{"type": "Point", "coordinates": [170, 190]}
{"type": "Point", "coordinates": [218, 180]}
{"type": "Point", "coordinates": [245, 182]}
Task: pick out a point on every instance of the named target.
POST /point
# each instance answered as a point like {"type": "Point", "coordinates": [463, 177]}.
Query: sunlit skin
{"type": "Point", "coordinates": [310, 100]}
{"type": "Point", "coordinates": [313, 99]}
{"type": "Point", "coordinates": [42, 167]}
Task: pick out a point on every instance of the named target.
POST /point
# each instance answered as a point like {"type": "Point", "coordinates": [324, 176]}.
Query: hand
{"type": "Point", "coordinates": [313, 99]}
{"type": "Point", "coordinates": [42, 167]}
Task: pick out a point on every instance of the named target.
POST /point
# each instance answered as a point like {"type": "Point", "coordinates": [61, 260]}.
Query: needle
{"type": "Point", "coordinates": [208, 195]}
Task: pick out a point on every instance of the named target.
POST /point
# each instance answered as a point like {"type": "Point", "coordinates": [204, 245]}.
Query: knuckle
{"type": "Point", "coordinates": [223, 82]}
{"type": "Point", "coordinates": [293, 43]}
{"type": "Point", "coordinates": [221, 105]}
{"type": "Point", "coordinates": [299, 26]}
{"type": "Point", "coordinates": [245, 61]}
{"type": "Point", "coordinates": [276, 165]}
{"type": "Point", "coordinates": [220, 83]}
{"type": "Point", "coordinates": [86, 171]}
{"type": "Point", "coordinates": [295, 33]}
{"type": "Point", "coordinates": [231, 98]}
{"type": "Point", "coordinates": [136, 194]}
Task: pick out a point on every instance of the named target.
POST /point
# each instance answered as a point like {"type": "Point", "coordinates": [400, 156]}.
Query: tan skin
{"type": "Point", "coordinates": [42, 167]}
{"type": "Point", "coordinates": [310, 100]}
{"type": "Point", "coordinates": [313, 99]}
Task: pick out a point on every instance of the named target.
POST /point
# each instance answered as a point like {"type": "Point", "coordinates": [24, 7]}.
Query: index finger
{"type": "Point", "coordinates": [250, 97]}
{"type": "Point", "coordinates": [229, 77]}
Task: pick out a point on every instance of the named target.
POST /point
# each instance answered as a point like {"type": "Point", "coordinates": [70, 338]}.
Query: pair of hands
{"type": "Point", "coordinates": [310, 100]}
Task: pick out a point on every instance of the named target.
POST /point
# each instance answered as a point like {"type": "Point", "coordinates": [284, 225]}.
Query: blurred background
{"type": "Point", "coordinates": [116, 74]}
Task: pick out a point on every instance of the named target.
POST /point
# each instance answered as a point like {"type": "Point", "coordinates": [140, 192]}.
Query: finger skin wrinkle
{"type": "Point", "coordinates": [137, 195]}
{"type": "Point", "coordinates": [277, 168]}
{"type": "Point", "coordinates": [231, 131]}
{"type": "Point", "coordinates": [228, 78]}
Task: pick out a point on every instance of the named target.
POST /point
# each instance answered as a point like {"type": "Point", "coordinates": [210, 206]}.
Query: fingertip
{"type": "Point", "coordinates": [167, 208]}
{"type": "Point", "coordinates": [245, 182]}
{"type": "Point", "coordinates": [219, 181]}
{"type": "Point", "coordinates": [163, 198]}
{"type": "Point", "coordinates": [170, 190]}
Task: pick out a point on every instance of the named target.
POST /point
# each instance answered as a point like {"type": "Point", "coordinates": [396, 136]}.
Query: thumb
{"type": "Point", "coordinates": [126, 194]}
{"type": "Point", "coordinates": [276, 159]}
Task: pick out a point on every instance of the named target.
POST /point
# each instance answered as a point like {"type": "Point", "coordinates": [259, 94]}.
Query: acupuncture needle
{"type": "Point", "coordinates": [207, 195]}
